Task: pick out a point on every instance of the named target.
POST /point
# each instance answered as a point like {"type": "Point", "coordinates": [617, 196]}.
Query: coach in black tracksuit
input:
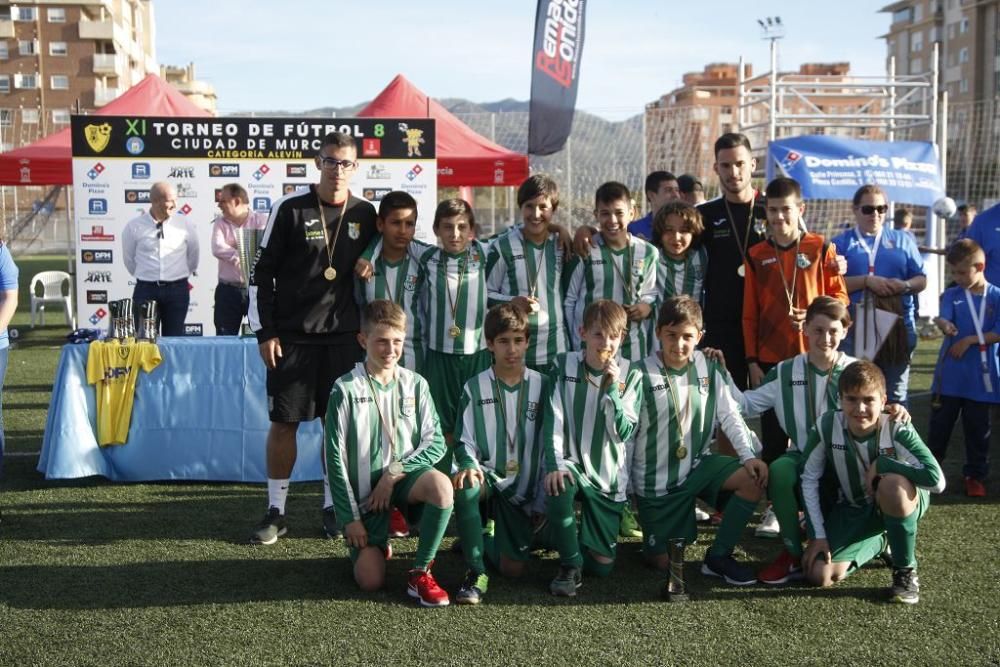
{"type": "Point", "coordinates": [303, 312]}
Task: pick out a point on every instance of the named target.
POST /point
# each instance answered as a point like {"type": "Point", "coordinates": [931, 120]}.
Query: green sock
{"type": "Point", "coordinates": [433, 523]}
{"type": "Point", "coordinates": [735, 517]}
{"type": "Point", "coordinates": [902, 534]}
{"type": "Point", "coordinates": [781, 489]}
{"type": "Point", "coordinates": [562, 523]}
{"type": "Point", "coordinates": [470, 527]}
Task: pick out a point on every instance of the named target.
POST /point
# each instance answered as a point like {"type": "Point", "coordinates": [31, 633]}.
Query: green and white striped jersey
{"type": "Point", "coordinates": [790, 391]}
{"type": "Point", "coordinates": [490, 437]}
{"type": "Point", "coordinates": [681, 277]}
{"type": "Point", "coordinates": [626, 276]}
{"type": "Point", "coordinates": [590, 426]}
{"type": "Point", "coordinates": [668, 445]}
{"type": "Point", "coordinates": [831, 450]}
{"type": "Point", "coordinates": [517, 267]}
{"type": "Point", "coordinates": [358, 448]}
{"type": "Point", "coordinates": [459, 282]}
{"type": "Point", "coordinates": [403, 283]}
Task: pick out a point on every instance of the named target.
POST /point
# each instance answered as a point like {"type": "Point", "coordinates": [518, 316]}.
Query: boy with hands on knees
{"type": "Point", "coordinates": [382, 441]}
{"type": "Point", "coordinates": [684, 395]}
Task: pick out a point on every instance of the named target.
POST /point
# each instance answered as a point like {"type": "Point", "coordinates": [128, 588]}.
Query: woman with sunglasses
{"type": "Point", "coordinates": [884, 271]}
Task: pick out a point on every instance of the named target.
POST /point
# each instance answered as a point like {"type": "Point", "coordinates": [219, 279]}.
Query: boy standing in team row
{"type": "Point", "coordinates": [382, 440]}
{"type": "Point", "coordinates": [396, 274]}
{"type": "Point", "coordinates": [498, 443]}
{"type": "Point", "coordinates": [783, 275]}
{"type": "Point", "coordinates": [966, 381]}
{"type": "Point", "coordinates": [677, 228]}
{"type": "Point", "coordinates": [622, 268]}
{"type": "Point", "coordinates": [525, 267]}
{"type": "Point", "coordinates": [684, 395]}
{"type": "Point", "coordinates": [589, 417]}
{"type": "Point", "coordinates": [866, 482]}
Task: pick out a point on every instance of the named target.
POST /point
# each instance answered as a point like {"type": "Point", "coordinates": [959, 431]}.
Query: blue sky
{"type": "Point", "coordinates": [315, 53]}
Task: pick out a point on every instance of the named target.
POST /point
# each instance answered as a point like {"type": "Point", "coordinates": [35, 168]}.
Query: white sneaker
{"type": "Point", "coordinates": [700, 515]}
{"type": "Point", "coordinates": [768, 526]}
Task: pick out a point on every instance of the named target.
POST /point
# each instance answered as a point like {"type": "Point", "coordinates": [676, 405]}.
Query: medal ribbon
{"type": "Point", "coordinates": [388, 429]}
{"type": "Point", "coordinates": [977, 322]}
{"type": "Point", "coordinates": [501, 398]}
{"type": "Point", "coordinates": [789, 291]}
{"type": "Point", "coordinates": [625, 270]}
{"type": "Point", "coordinates": [340, 223]}
{"type": "Point", "coordinates": [736, 235]}
{"type": "Point", "coordinates": [453, 301]}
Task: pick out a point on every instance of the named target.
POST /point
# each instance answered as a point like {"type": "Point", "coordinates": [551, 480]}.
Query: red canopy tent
{"type": "Point", "coordinates": [463, 156]}
{"type": "Point", "coordinates": [49, 161]}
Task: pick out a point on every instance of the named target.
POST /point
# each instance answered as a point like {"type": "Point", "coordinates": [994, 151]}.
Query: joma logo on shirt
{"type": "Point", "coordinates": [842, 448]}
{"type": "Point", "coordinates": [487, 401]}
{"type": "Point", "coordinates": [659, 387]}
{"type": "Point", "coordinates": [798, 383]}
{"type": "Point", "coordinates": [362, 399]}
{"type": "Point", "coordinates": [567, 378]}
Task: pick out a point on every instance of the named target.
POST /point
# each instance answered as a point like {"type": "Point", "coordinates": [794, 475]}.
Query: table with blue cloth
{"type": "Point", "coordinates": [200, 415]}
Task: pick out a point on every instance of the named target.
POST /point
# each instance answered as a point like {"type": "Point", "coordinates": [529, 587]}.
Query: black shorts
{"type": "Point", "coordinates": [299, 388]}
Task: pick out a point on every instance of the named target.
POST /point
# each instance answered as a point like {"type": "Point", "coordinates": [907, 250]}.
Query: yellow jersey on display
{"type": "Point", "coordinates": [113, 366]}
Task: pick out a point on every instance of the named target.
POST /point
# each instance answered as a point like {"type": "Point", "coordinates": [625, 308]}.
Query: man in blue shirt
{"type": "Point", "coordinates": [661, 187]}
{"type": "Point", "coordinates": [884, 265]}
{"type": "Point", "coordinates": [985, 230]}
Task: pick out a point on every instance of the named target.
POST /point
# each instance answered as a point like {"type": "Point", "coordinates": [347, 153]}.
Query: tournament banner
{"type": "Point", "coordinates": [834, 167]}
{"type": "Point", "coordinates": [555, 71]}
{"type": "Point", "coordinates": [117, 159]}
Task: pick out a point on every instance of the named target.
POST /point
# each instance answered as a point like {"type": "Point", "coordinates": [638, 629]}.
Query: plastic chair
{"type": "Point", "coordinates": [52, 292]}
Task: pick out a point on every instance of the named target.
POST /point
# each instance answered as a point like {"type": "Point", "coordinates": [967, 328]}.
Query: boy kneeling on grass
{"type": "Point", "coordinates": [880, 475]}
{"type": "Point", "coordinates": [684, 395]}
{"type": "Point", "coordinates": [382, 441]}
{"type": "Point", "coordinates": [498, 444]}
{"type": "Point", "coordinates": [590, 416]}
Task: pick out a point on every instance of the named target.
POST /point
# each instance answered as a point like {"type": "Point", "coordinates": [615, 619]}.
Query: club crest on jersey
{"type": "Point", "coordinates": [703, 384]}
{"type": "Point", "coordinates": [888, 451]}
{"type": "Point", "coordinates": [802, 261]}
{"type": "Point", "coordinates": [410, 284]}
{"type": "Point", "coordinates": [531, 410]}
{"type": "Point", "coordinates": [354, 230]}
{"type": "Point", "coordinates": [408, 406]}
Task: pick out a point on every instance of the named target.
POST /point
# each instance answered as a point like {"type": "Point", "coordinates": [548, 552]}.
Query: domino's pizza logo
{"type": "Point", "coordinates": [185, 210]}
{"type": "Point", "coordinates": [789, 161]}
{"type": "Point", "coordinates": [95, 171]}
{"type": "Point", "coordinates": [98, 315]}
{"type": "Point", "coordinates": [412, 174]}
{"type": "Point", "coordinates": [261, 172]}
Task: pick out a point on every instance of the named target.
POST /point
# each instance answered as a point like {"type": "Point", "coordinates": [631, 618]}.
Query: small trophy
{"type": "Point", "coordinates": [675, 590]}
{"type": "Point", "coordinates": [116, 327]}
{"type": "Point", "coordinates": [247, 244]}
{"type": "Point", "coordinates": [148, 322]}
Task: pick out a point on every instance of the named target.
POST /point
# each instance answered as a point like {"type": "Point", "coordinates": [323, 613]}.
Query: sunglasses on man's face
{"type": "Point", "coordinates": [868, 209]}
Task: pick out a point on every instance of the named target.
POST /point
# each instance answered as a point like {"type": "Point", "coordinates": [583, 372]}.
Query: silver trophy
{"type": "Point", "coordinates": [675, 590]}
{"type": "Point", "coordinates": [148, 324]}
{"type": "Point", "coordinates": [114, 322]}
{"type": "Point", "coordinates": [247, 244]}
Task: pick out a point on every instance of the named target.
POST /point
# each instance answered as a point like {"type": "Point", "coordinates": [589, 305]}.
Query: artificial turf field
{"type": "Point", "coordinates": [98, 573]}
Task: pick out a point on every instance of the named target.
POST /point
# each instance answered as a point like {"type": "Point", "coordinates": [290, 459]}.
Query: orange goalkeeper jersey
{"type": "Point", "coordinates": [767, 330]}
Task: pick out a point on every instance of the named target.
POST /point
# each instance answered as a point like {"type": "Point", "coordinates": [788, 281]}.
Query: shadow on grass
{"type": "Point", "coordinates": [26, 388]}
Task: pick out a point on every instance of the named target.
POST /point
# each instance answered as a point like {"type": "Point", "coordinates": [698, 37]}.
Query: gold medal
{"type": "Point", "coordinates": [534, 307]}
{"type": "Point", "coordinates": [741, 270]}
{"type": "Point", "coordinates": [681, 452]}
{"type": "Point", "coordinates": [512, 467]}
{"type": "Point", "coordinates": [330, 273]}
{"type": "Point", "coordinates": [454, 331]}
{"type": "Point", "coordinates": [396, 468]}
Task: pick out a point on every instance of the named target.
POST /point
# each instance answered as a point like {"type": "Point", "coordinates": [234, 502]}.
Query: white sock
{"type": "Point", "coordinates": [277, 492]}
{"type": "Point", "coordinates": [327, 496]}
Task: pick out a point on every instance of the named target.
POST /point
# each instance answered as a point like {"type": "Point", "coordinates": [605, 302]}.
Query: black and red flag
{"type": "Point", "coordinates": [555, 70]}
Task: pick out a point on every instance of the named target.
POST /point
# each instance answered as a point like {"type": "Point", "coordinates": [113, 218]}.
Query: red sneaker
{"type": "Point", "coordinates": [397, 524]}
{"type": "Point", "coordinates": [785, 568]}
{"type": "Point", "coordinates": [974, 488]}
{"type": "Point", "coordinates": [423, 587]}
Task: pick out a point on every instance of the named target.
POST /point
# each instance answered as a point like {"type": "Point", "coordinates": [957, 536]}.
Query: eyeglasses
{"type": "Point", "coordinates": [333, 163]}
{"type": "Point", "coordinates": [868, 209]}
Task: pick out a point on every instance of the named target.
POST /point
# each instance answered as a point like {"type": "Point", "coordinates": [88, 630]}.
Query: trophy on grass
{"type": "Point", "coordinates": [675, 590]}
